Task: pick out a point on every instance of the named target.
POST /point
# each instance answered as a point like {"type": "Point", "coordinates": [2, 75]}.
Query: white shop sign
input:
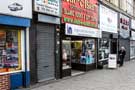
{"type": "Point", "coordinates": [76, 30]}
{"type": "Point", "coordinates": [112, 62]}
{"type": "Point", "coordinates": [20, 8]}
{"type": "Point", "coordinates": [108, 20]}
{"type": "Point", "coordinates": [51, 7]}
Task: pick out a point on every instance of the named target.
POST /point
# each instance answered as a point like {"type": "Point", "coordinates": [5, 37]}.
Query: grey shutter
{"type": "Point", "coordinates": [45, 52]}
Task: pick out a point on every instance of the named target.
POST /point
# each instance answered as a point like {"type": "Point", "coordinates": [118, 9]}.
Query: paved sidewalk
{"type": "Point", "coordinates": [122, 78]}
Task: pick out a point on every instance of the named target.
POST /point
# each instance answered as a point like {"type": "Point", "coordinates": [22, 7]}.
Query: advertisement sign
{"type": "Point", "coordinates": [112, 62]}
{"type": "Point", "coordinates": [124, 26]}
{"type": "Point", "coordinates": [133, 24]}
{"type": "Point", "coordinates": [80, 12]}
{"type": "Point", "coordinates": [108, 19]}
{"type": "Point", "coordinates": [51, 7]}
{"type": "Point", "coordinates": [20, 8]}
{"type": "Point", "coordinates": [76, 30]}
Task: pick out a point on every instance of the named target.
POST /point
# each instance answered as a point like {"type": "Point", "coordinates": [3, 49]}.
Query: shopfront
{"type": "Point", "coordinates": [108, 44]}
{"type": "Point", "coordinates": [44, 41]}
{"type": "Point", "coordinates": [14, 46]}
{"type": "Point", "coordinates": [79, 33]}
{"type": "Point", "coordinates": [124, 34]}
{"type": "Point", "coordinates": [132, 40]}
{"type": "Point", "coordinates": [79, 49]}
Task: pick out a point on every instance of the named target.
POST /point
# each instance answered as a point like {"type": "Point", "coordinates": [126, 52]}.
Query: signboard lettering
{"type": "Point", "coordinates": [80, 12]}
{"type": "Point", "coordinates": [51, 7]}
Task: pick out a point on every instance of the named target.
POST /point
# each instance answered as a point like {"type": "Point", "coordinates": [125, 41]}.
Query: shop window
{"type": "Point", "coordinates": [104, 49]}
{"type": "Point", "coordinates": [78, 51]}
{"type": "Point", "coordinates": [10, 50]}
{"type": "Point", "coordinates": [83, 51]}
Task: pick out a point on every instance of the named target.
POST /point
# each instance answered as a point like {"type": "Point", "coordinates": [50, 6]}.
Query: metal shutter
{"type": "Point", "coordinates": [45, 52]}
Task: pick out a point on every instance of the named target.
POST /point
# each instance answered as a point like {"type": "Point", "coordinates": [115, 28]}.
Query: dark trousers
{"type": "Point", "coordinates": [121, 61]}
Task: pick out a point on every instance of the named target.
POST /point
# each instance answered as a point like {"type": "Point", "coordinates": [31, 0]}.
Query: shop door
{"type": "Point", "coordinates": [66, 48]}
{"type": "Point", "coordinates": [66, 57]}
{"type": "Point", "coordinates": [113, 46]}
{"type": "Point", "coordinates": [45, 52]}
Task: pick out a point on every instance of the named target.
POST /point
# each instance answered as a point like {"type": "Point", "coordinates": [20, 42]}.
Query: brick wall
{"type": "Point", "coordinates": [4, 82]}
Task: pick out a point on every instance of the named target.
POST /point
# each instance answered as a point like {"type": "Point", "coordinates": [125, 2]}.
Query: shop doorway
{"type": "Point", "coordinates": [106, 47]}
{"type": "Point", "coordinates": [77, 53]}
{"type": "Point", "coordinates": [113, 47]}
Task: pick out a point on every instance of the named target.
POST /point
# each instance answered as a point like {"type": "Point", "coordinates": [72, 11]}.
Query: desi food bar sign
{"type": "Point", "coordinates": [80, 12]}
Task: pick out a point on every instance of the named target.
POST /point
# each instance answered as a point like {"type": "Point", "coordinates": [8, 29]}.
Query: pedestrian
{"type": "Point", "coordinates": [122, 54]}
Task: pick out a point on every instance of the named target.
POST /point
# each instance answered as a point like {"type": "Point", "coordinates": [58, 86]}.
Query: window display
{"type": "Point", "coordinates": [10, 50]}
{"type": "Point", "coordinates": [104, 49]}
{"type": "Point", "coordinates": [83, 51]}
{"type": "Point", "coordinates": [78, 51]}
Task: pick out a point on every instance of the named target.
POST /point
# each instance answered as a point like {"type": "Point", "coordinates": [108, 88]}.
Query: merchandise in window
{"type": "Point", "coordinates": [78, 51]}
{"type": "Point", "coordinates": [83, 51]}
{"type": "Point", "coordinates": [10, 50]}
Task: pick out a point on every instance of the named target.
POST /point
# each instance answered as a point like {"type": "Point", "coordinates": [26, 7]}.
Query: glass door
{"type": "Point", "coordinates": [104, 49]}
{"type": "Point", "coordinates": [66, 54]}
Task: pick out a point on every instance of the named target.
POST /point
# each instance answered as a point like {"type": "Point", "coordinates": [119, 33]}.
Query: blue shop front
{"type": "Point", "coordinates": [14, 43]}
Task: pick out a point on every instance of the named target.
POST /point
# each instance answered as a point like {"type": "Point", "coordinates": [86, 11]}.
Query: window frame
{"type": "Point", "coordinates": [21, 49]}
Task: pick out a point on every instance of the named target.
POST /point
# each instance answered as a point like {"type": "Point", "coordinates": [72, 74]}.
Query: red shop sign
{"type": "Point", "coordinates": [80, 12]}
